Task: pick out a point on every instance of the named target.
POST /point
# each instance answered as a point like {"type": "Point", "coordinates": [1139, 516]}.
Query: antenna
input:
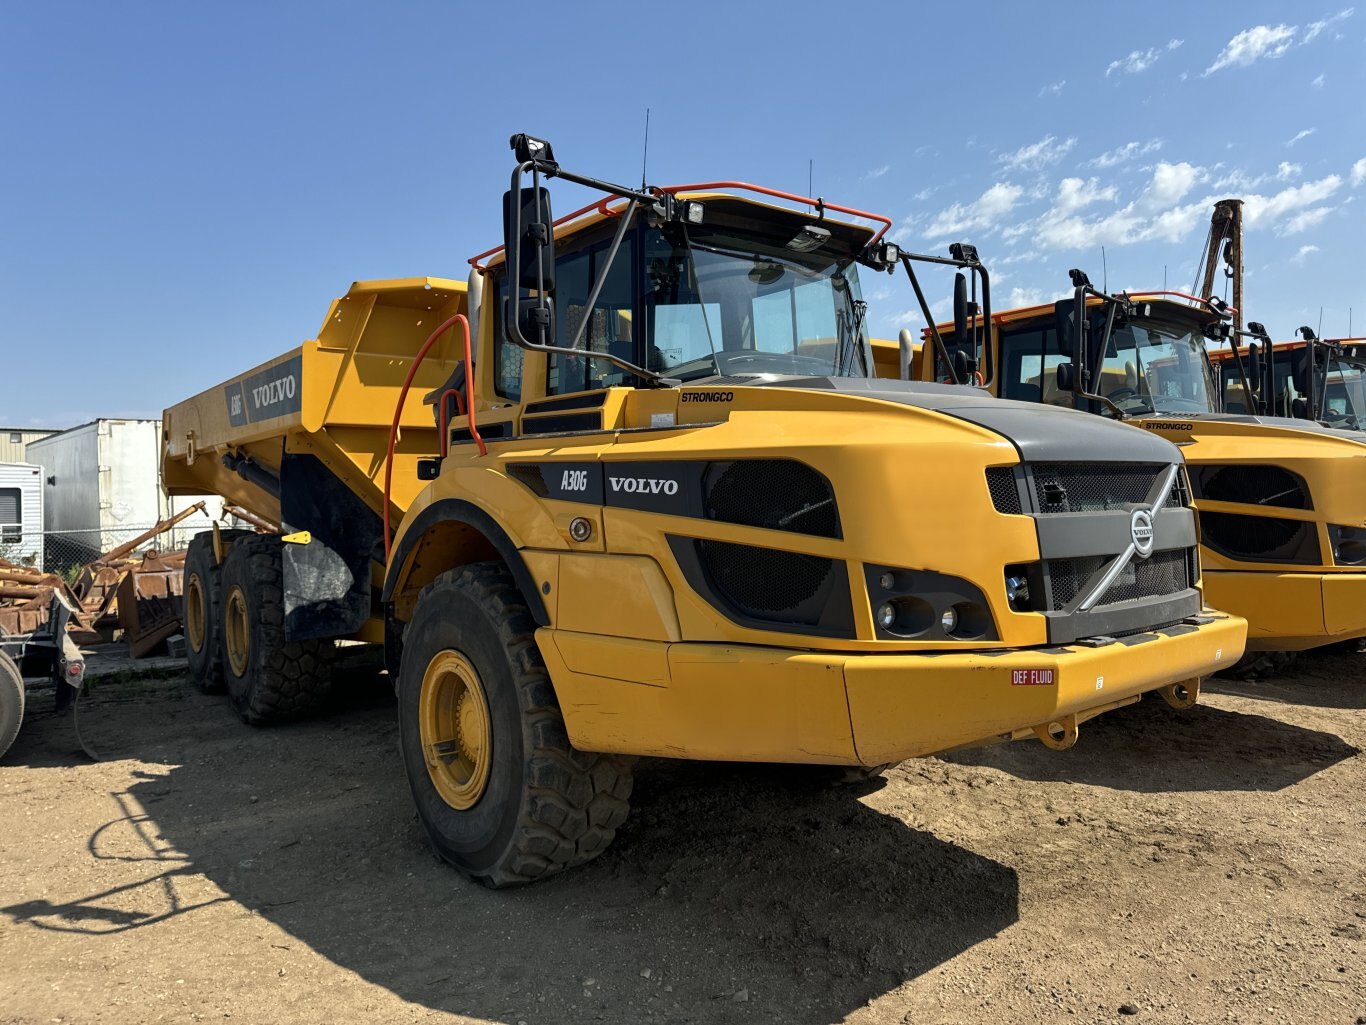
{"type": "Point", "coordinates": [810, 177]}
{"type": "Point", "coordinates": [1105, 271]}
{"type": "Point", "coordinates": [1164, 277]}
{"type": "Point", "coordinates": [645, 155]}
{"type": "Point", "coordinates": [1320, 321]}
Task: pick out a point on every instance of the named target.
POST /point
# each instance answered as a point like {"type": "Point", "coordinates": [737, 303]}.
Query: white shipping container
{"type": "Point", "coordinates": [102, 480]}
{"type": "Point", "coordinates": [21, 514]}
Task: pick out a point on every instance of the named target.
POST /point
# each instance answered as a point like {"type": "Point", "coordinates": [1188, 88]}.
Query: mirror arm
{"type": "Point", "coordinates": [513, 262]}
{"type": "Point", "coordinates": [989, 342]}
{"type": "Point", "coordinates": [939, 347]}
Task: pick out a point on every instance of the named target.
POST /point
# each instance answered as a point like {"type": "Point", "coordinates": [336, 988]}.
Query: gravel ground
{"type": "Point", "coordinates": [1205, 866]}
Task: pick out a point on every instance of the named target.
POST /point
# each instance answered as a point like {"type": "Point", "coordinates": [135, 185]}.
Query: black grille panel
{"type": "Point", "coordinates": [530, 475]}
{"type": "Point", "coordinates": [765, 583]}
{"type": "Point", "coordinates": [1253, 485]}
{"type": "Point", "coordinates": [1091, 487]}
{"type": "Point", "coordinates": [1260, 538]}
{"type": "Point", "coordinates": [1162, 574]}
{"type": "Point", "coordinates": [776, 494]}
{"type": "Point", "coordinates": [1005, 496]}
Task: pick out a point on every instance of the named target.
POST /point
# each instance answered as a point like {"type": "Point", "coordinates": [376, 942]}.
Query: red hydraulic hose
{"type": "Point", "coordinates": [403, 397]}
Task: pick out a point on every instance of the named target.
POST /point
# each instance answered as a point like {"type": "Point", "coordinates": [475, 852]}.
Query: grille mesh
{"type": "Point", "coordinates": [1162, 574]}
{"type": "Point", "coordinates": [1260, 538]}
{"type": "Point", "coordinates": [1089, 487]}
{"type": "Point", "coordinates": [1254, 485]}
{"type": "Point", "coordinates": [1005, 496]}
{"type": "Point", "coordinates": [530, 475]}
{"type": "Point", "coordinates": [765, 583]}
{"type": "Point", "coordinates": [777, 494]}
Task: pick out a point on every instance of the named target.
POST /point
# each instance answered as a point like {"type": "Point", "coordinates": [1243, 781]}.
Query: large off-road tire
{"type": "Point", "coordinates": [268, 678]}
{"type": "Point", "coordinates": [201, 593]}
{"type": "Point", "coordinates": [11, 702]}
{"type": "Point", "coordinates": [502, 794]}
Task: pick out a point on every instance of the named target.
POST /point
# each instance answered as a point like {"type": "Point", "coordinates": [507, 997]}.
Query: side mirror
{"type": "Point", "coordinates": [529, 228]}
{"type": "Point", "coordinates": [535, 318]}
{"type": "Point", "coordinates": [960, 309]}
{"type": "Point", "coordinates": [1063, 325]}
{"type": "Point", "coordinates": [1067, 377]}
{"type": "Point", "coordinates": [1299, 374]}
{"type": "Point", "coordinates": [1254, 368]}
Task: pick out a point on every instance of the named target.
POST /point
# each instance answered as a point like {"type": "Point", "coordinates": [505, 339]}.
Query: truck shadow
{"type": "Point", "coordinates": [1331, 678]}
{"type": "Point", "coordinates": [1152, 748]}
{"type": "Point", "coordinates": [731, 893]}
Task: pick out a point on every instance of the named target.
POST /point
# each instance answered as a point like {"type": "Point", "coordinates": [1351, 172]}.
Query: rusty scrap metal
{"type": "Point", "coordinates": [262, 525]}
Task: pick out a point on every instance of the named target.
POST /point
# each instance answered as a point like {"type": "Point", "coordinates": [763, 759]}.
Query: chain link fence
{"type": "Point", "coordinates": [64, 551]}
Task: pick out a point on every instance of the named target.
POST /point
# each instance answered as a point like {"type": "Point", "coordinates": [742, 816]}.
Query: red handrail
{"type": "Point", "coordinates": [820, 204]}
{"type": "Point", "coordinates": [459, 318]}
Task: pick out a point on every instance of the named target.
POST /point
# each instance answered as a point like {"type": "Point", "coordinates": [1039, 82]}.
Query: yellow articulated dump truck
{"type": "Point", "coordinates": [1281, 501]}
{"type": "Point", "coordinates": [667, 510]}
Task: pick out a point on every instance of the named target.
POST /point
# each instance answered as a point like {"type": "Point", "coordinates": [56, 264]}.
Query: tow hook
{"type": "Point", "coordinates": [1182, 695]}
{"type": "Point", "coordinates": [1060, 734]}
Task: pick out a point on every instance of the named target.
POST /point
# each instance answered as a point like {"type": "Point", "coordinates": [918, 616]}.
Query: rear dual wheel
{"type": "Point", "coordinates": [269, 678]}
{"type": "Point", "coordinates": [203, 610]}
{"type": "Point", "coordinates": [503, 795]}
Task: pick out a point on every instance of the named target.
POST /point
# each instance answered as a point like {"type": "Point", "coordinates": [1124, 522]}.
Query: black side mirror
{"type": "Point", "coordinates": [1254, 368]}
{"type": "Point", "coordinates": [1299, 374]}
{"type": "Point", "coordinates": [1063, 325]}
{"type": "Point", "coordinates": [960, 309]}
{"type": "Point", "coordinates": [529, 230]}
{"type": "Point", "coordinates": [962, 366]}
{"type": "Point", "coordinates": [1067, 377]}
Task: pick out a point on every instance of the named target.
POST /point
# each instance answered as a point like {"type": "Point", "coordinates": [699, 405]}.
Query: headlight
{"type": "Point", "coordinates": [921, 605]}
{"type": "Point", "coordinates": [1349, 545]}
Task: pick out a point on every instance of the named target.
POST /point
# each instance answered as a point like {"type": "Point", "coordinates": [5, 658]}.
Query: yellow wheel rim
{"type": "Point", "coordinates": [195, 617]}
{"type": "Point", "coordinates": [453, 723]}
{"type": "Point", "coordinates": [237, 631]}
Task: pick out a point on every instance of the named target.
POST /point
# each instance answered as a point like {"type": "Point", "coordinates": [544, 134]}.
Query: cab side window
{"type": "Point", "coordinates": [507, 356]}
{"type": "Point", "coordinates": [609, 324]}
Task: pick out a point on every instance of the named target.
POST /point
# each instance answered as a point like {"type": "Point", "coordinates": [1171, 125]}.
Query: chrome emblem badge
{"type": "Point", "coordinates": [1141, 529]}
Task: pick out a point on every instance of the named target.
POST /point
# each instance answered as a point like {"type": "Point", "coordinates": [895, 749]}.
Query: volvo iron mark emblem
{"type": "Point", "coordinates": [1141, 528]}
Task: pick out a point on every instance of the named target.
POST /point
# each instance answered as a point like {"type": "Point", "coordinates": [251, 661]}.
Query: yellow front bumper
{"type": "Point", "coordinates": [1291, 611]}
{"type": "Point", "coordinates": [736, 703]}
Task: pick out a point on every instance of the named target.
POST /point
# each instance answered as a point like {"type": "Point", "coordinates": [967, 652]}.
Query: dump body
{"type": "Point", "coordinates": [301, 442]}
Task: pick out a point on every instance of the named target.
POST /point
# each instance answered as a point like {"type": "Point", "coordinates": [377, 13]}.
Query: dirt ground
{"type": "Point", "coordinates": [1205, 866]}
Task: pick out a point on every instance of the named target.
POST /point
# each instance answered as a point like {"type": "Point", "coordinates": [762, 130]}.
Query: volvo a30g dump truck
{"type": "Point", "coordinates": [666, 510]}
{"type": "Point", "coordinates": [1281, 501]}
{"type": "Point", "coordinates": [1276, 380]}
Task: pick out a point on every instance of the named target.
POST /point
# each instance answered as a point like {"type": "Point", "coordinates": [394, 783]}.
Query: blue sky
{"type": "Point", "coordinates": [186, 186]}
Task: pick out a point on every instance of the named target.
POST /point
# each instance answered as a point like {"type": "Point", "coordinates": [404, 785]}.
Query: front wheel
{"type": "Point", "coordinates": [502, 794]}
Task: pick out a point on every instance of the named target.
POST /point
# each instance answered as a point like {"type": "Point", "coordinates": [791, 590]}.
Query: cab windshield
{"type": "Point", "coordinates": [723, 302]}
{"type": "Point", "coordinates": [1150, 367]}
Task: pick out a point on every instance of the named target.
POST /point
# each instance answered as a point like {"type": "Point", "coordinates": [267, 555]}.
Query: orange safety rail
{"type": "Point", "coordinates": [441, 329]}
{"type": "Point", "coordinates": [601, 206]}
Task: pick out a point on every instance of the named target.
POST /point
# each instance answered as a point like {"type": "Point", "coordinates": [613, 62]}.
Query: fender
{"type": "Point", "coordinates": [455, 510]}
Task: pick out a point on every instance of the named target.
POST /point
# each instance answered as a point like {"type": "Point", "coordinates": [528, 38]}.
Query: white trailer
{"type": "Point", "coordinates": [21, 514]}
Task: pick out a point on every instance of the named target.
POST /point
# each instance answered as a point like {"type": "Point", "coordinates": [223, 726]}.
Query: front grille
{"type": "Point", "coordinates": [1260, 538]}
{"type": "Point", "coordinates": [776, 494]}
{"type": "Point", "coordinates": [1094, 487]}
{"type": "Point", "coordinates": [1005, 496]}
{"type": "Point", "coordinates": [1162, 574]}
{"type": "Point", "coordinates": [765, 583]}
{"type": "Point", "coordinates": [1253, 485]}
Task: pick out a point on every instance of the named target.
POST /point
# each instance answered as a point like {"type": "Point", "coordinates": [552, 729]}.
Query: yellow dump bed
{"type": "Point", "coordinates": [333, 397]}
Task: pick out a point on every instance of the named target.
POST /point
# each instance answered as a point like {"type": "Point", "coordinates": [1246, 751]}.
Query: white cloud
{"type": "Point", "coordinates": [1137, 61]}
{"type": "Point", "coordinates": [1121, 154]}
{"type": "Point", "coordinates": [878, 172]}
{"type": "Point", "coordinates": [1172, 44]}
{"type": "Point", "coordinates": [1253, 44]}
{"type": "Point", "coordinates": [1359, 172]}
{"type": "Point", "coordinates": [983, 212]}
{"type": "Point", "coordinates": [1020, 297]}
{"type": "Point", "coordinates": [1075, 194]}
{"type": "Point", "coordinates": [1304, 220]}
{"type": "Point", "coordinates": [1038, 155]}
{"type": "Point", "coordinates": [1302, 134]}
{"type": "Point", "coordinates": [1314, 28]}
{"type": "Point", "coordinates": [1054, 89]}
{"type": "Point", "coordinates": [1304, 253]}
{"type": "Point", "coordinates": [1155, 214]}
{"type": "Point", "coordinates": [1286, 170]}
{"type": "Point", "coordinates": [1317, 83]}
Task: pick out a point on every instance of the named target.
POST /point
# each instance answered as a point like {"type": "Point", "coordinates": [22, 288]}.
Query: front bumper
{"type": "Point", "coordinates": [736, 703]}
{"type": "Point", "coordinates": [1291, 611]}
